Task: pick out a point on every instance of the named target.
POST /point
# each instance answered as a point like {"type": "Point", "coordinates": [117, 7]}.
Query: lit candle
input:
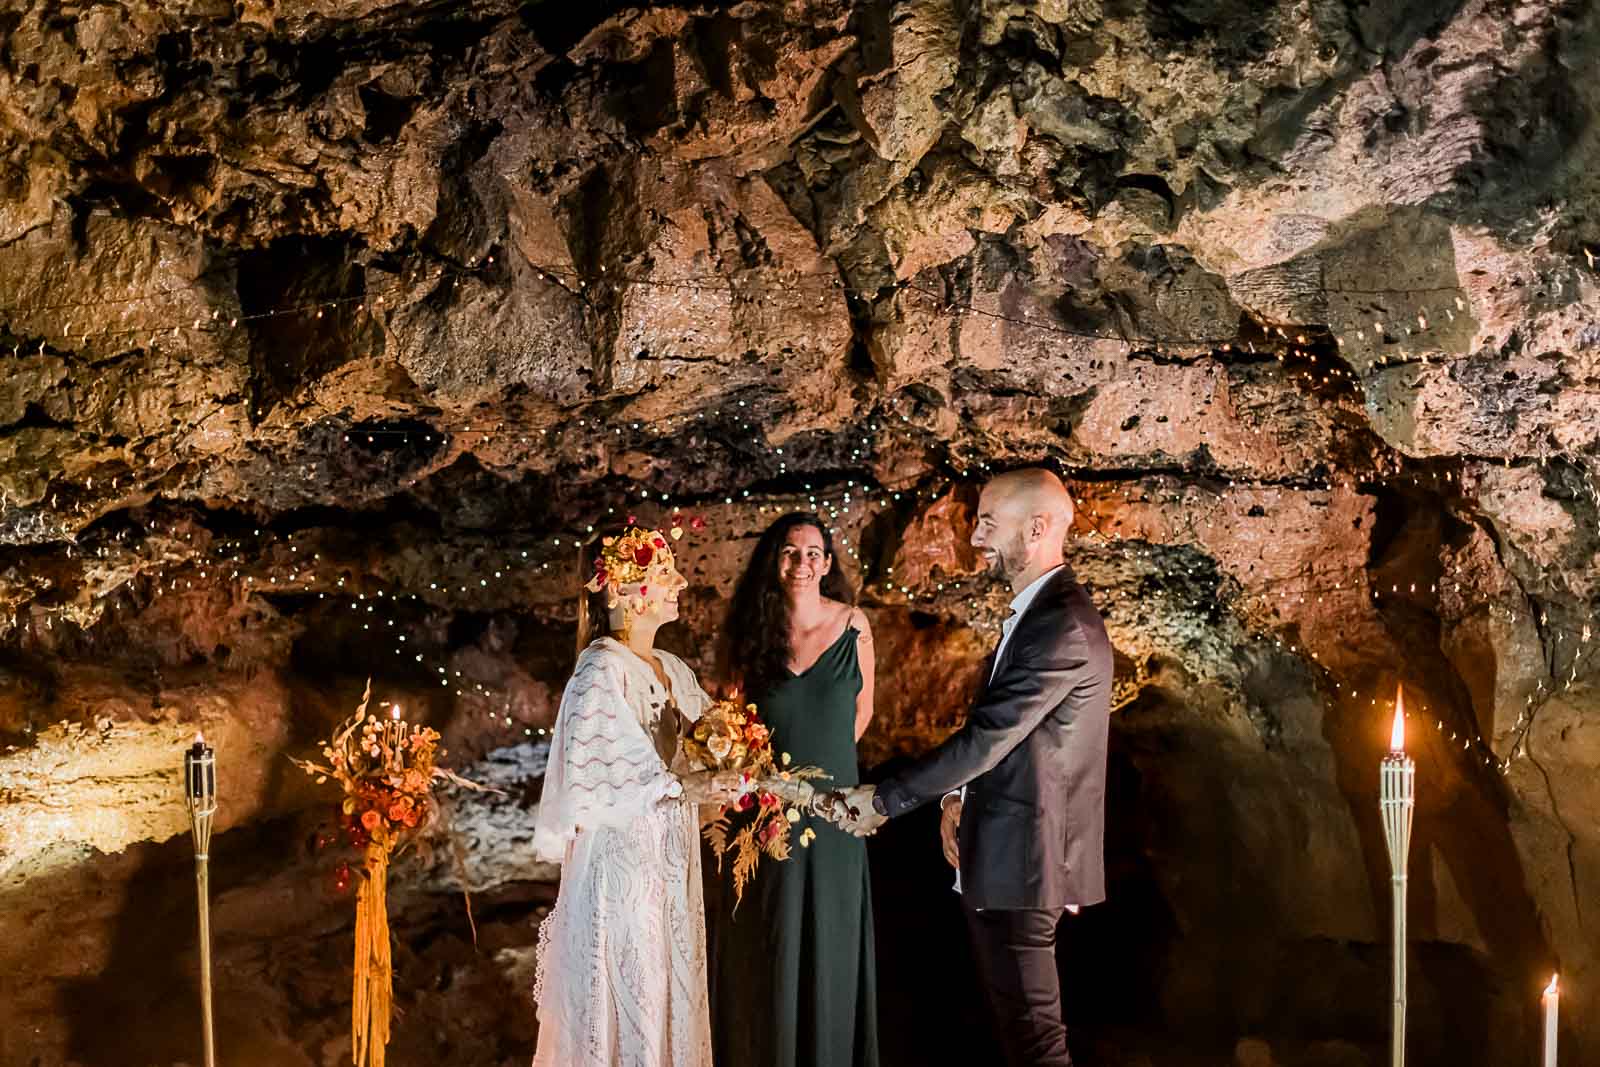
{"type": "Point", "coordinates": [397, 733]}
{"type": "Point", "coordinates": [1397, 733]}
{"type": "Point", "coordinates": [1552, 1005]}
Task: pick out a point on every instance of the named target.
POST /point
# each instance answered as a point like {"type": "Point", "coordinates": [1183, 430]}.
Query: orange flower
{"type": "Point", "coordinates": [371, 819]}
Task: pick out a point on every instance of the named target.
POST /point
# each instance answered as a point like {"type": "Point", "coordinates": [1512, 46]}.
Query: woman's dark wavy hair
{"type": "Point", "coordinates": [756, 649]}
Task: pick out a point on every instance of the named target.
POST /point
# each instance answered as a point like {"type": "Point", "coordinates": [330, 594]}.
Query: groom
{"type": "Point", "coordinates": [1024, 780]}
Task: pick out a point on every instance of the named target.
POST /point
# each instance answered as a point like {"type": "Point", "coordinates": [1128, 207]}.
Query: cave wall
{"type": "Point", "coordinates": [328, 329]}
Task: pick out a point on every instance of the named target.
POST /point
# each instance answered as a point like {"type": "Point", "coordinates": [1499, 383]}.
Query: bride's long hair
{"type": "Point", "coordinates": [594, 610]}
{"type": "Point", "coordinates": [756, 648]}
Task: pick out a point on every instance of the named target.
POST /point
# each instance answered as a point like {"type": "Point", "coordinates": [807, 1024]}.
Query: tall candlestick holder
{"type": "Point", "coordinates": [1397, 800]}
{"type": "Point", "coordinates": [200, 789]}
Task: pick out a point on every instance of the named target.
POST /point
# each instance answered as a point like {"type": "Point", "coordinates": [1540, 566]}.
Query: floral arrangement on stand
{"type": "Point", "coordinates": [387, 769]}
{"type": "Point", "coordinates": [730, 736]}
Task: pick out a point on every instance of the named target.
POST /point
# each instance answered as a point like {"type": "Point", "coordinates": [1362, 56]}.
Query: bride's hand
{"type": "Point", "coordinates": [712, 787]}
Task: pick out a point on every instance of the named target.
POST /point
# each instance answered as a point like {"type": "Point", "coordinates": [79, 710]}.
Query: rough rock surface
{"type": "Point", "coordinates": [329, 328]}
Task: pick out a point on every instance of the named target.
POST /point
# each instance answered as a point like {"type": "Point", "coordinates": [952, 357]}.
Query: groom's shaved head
{"type": "Point", "coordinates": [1023, 518]}
{"type": "Point", "coordinates": [1035, 491]}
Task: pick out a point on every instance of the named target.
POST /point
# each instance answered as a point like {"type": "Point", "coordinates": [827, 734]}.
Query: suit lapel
{"type": "Point", "coordinates": [1035, 610]}
{"type": "Point", "coordinates": [988, 670]}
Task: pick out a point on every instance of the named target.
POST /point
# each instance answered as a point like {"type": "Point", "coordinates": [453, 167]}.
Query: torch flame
{"type": "Point", "coordinates": [1397, 736]}
{"type": "Point", "coordinates": [1550, 990]}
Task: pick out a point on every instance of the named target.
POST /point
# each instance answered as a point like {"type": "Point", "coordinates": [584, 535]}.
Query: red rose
{"type": "Point", "coordinates": [746, 802]}
{"type": "Point", "coordinates": [643, 555]}
{"type": "Point", "coordinates": [697, 523]}
{"type": "Point", "coordinates": [660, 543]}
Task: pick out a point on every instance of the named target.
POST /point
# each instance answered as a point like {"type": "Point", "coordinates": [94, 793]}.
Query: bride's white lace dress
{"type": "Point", "coordinates": [622, 957]}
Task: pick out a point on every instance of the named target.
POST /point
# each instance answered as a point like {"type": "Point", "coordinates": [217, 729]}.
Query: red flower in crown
{"type": "Point", "coordinates": [643, 555]}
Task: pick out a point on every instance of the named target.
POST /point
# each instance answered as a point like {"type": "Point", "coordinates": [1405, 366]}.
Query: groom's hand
{"type": "Point", "coordinates": [949, 825]}
{"type": "Point", "coordinates": [863, 819]}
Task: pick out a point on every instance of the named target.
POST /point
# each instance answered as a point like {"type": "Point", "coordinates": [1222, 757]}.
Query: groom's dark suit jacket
{"type": "Point", "coordinates": [1033, 758]}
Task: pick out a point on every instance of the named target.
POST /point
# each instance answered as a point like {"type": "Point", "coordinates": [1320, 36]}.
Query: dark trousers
{"type": "Point", "coordinates": [1015, 951]}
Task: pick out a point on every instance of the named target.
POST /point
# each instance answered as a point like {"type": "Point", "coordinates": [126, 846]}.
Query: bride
{"type": "Point", "coordinates": [621, 970]}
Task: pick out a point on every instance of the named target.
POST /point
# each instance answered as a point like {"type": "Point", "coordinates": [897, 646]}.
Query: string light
{"type": "Point", "coordinates": [1298, 347]}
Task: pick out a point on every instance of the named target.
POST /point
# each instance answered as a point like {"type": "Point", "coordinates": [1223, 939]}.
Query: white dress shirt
{"type": "Point", "coordinates": [1019, 605]}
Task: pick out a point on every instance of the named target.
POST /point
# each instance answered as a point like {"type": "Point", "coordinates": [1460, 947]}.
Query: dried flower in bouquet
{"type": "Point", "coordinates": [730, 736]}
{"type": "Point", "coordinates": [387, 769]}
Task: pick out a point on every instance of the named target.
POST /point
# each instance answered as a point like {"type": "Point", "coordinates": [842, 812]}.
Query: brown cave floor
{"type": "Point", "coordinates": [1138, 991]}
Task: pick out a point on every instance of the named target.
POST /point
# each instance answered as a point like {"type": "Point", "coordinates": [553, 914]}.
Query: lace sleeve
{"type": "Point", "coordinates": [603, 769]}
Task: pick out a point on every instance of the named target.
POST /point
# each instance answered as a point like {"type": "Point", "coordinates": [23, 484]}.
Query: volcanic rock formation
{"type": "Point", "coordinates": [329, 329]}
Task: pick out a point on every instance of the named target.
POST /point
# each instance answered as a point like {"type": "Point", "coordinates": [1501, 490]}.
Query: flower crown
{"type": "Point", "coordinates": [630, 558]}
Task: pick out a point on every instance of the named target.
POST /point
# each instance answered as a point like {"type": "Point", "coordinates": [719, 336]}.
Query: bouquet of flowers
{"type": "Point", "coordinates": [730, 736]}
{"type": "Point", "coordinates": [387, 770]}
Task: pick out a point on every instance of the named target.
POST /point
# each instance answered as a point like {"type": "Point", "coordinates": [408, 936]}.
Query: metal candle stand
{"type": "Point", "coordinates": [1398, 784]}
{"type": "Point", "coordinates": [200, 789]}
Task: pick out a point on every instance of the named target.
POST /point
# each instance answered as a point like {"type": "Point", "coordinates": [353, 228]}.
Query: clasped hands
{"type": "Point", "coordinates": [849, 809]}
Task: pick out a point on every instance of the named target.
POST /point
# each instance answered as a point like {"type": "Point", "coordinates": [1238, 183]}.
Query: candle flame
{"type": "Point", "coordinates": [1397, 736]}
{"type": "Point", "coordinates": [1551, 990]}
{"type": "Point", "coordinates": [200, 738]}
{"type": "Point", "coordinates": [394, 713]}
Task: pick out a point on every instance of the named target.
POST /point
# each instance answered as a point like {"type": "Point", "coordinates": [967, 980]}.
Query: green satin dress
{"type": "Point", "coordinates": [792, 974]}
